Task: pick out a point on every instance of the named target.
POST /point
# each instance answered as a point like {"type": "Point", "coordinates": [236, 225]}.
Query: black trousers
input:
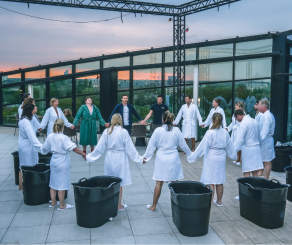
{"type": "Point", "coordinates": [128, 128]}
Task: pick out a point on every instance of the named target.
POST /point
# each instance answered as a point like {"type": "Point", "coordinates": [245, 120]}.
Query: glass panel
{"type": "Point", "coordinates": [35, 75]}
{"type": "Point", "coordinates": [87, 66]}
{"type": "Point", "coordinates": [15, 78]}
{"type": "Point", "coordinates": [251, 91]}
{"type": "Point", "coordinates": [80, 100]}
{"type": "Point", "coordinates": [216, 51]}
{"type": "Point", "coordinates": [9, 114]}
{"type": "Point", "coordinates": [62, 88]}
{"type": "Point", "coordinates": [189, 91]}
{"type": "Point", "coordinates": [168, 76]}
{"type": "Point", "coordinates": [191, 54]}
{"type": "Point", "coordinates": [11, 95]}
{"type": "Point", "coordinates": [120, 95]}
{"type": "Point", "coordinates": [209, 92]}
{"type": "Point", "coordinates": [254, 47]}
{"type": "Point", "coordinates": [290, 50]}
{"type": "Point", "coordinates": [289, 122]}
{"type": "Point", "coordinates": [189, 74]}
{"type": "Point", "coordinates": [143, 99]}
{"type": "Point", "coordinates": [123, 80]}
{"type": "Point", "coordinates": [59, 71]}
{"type": "Point", "coordinates": [39, 91]}
{"type": "Point", "coordinates": [215, 72]}
{"type": "Point", "coordinates": [168, 94]}
{"type": "Point", "coordinates": [154, 58]}
{"type": "Point", "coordinates": [124, 61]}
{"type": "Point", "coordinates": [147, 78]}
{"type": "Point", "coordinates": [168, 56]}
{"type": "Point", "coordinates": [88, 85]}
{"type": "Point", "coordinates": [65, 103]}
{"type": "Point", "coordinates": [256, 68]}
{"type": "Point", "coordinates": [41, 105]}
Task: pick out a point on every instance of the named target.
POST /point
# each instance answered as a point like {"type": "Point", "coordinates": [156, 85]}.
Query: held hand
{"type": "Point", "coordinates": [226, 129]}
{"type": "Point", "coordinates": [174, 125]}
{"type": "Point", "coordinates": [72, 127]}
{"type": "Point", "coordinates": [143, 122]}
{"type": "Point", "coordinates": [202, 126]}
{"type": "Point", "coordinates": [40, 129]}
{"type": "Point", "coordinates": [144, 160]}
{"type": "Point", "coordinates": [84, 156]}
{"type": "Point", "coordinates": [107, 125]}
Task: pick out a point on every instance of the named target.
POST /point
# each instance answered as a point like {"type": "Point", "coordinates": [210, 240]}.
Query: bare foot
{"type": "Point", "coordinates": [193, 150]}
{"type": "Point", "coordinates": [54, 203]}
{"type": "Point", "coordinates": [152, 208]}
{"type": "Point", "coordinates": [219, 202]}
{"type": "Point", "coordinates": [61, 207]}
{"type": "Point", "coordinates": [183, 153]}
{"type": "Point", "coordinates": [120, 207]}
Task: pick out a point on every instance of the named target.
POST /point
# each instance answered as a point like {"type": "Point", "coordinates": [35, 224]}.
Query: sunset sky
{"type": "Point", "coordinates": [28, 42]}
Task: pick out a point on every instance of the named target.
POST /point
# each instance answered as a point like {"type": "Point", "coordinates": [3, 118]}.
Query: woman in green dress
{"type": "Point", "coordinates": [88, 113]}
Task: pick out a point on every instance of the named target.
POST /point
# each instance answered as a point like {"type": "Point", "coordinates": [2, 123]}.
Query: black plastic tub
{"type": "Point", "coordinates": [36, 179]}
{"type": "Point", "coordinates": [191, 207]}
{"type": "Point", "coordinates": [96, 200]}
{"type": "Point", "coordinates": [16, 166]}
{"type": "Point", "coordinates": [282, 160]}
{"type": "Point", "coordinates": [46, 159]}
{"type": "Point", "coordinates": [288, 171]}
{"type": "Point", "coordinates": [262, 201]}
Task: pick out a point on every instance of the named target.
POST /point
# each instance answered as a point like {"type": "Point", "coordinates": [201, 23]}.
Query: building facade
{"type": "Point", "coordinates": [238, 69]}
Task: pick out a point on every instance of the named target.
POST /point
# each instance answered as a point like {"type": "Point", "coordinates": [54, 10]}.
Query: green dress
{"type": "Point", "coordinates": [88, 132]}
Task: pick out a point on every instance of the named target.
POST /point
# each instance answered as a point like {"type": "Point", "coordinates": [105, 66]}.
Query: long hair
{"type": "Point", "coordinates": [168, 119]}
{"type": "Point", "coordinates": [58, 126]}
{"type": "Point", "coordinates": [67, 112]}
{"type": "Point", "coordinates": [240, 104]}
{"type": "Point", "coordinates": [27, 111]}
{"type": "Point", "coordinates": [116, 121]}
{"type": "Point", "coordinates": [217, 117]}
{"type": "Point", "coordinates": [27, 101]}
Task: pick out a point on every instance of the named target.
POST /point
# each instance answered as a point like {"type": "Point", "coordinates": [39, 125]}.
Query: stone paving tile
{"type": "Point", "coordinates": [136, 189]}
{"type": "Point", "coordinates": [2, 232]}
{"type": "Point", "coordinates": [230, 233]}
{"type": "Point", "coordinates": [166, 209]}
{"type": "Point", "coordinates": [31, 219]}
{"type": "Point", "coordinates": [10, 196]}
{"type": "Point", "coordinates": [114, 240]}
{"type": "Point", "coordinates": [9, 207]}
{"type": "Point", "coordinates": [167, 238]}
{"type": "Point", "coordinates": [80, 242]}
{"type": "Point", "coordinates": [283, 234]}
{"type": "Point", "coordinates": [40, 208]}
{"type": "Point", "coordinates": [5, 220]}
{"type": "Point", "coordinates": [217, 215]}
{"type": "Point", "coordinates": [26, 235]}
{"type": "Point", "coordinates": [141, 212]}
{"type": "Point", "coordinates": [138, 199]}
{"type": "Point", "coordinates": [210, 238]}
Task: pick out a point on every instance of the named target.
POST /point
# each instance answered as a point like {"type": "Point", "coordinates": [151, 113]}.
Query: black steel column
{"type": "Point", "coordinates": [1, 100]}
{"type": "Point", "coordinates": [74, 91]}
{"type": "Point", "coordinates": [48, 96]}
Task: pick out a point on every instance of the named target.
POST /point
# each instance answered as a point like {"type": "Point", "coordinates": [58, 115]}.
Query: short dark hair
{"type": "Point", "coordinates": [24, 96]}
{"type": "Point", "coordinates": [238, 113]}
{"type": "Point", "coordinates": [190, 97]}
{"type": "Point", "coordinates": [27, 111]}
{"type": "Point", "coordinates": [159, 96]}
{"type": "Point", "coordinates": [88, 97]}
{"type": "Point", "coordinates": [256, 103]}
{"type": "Point", "coordinates": [218, 101]}
{"type": "Point", "coordinates": [125, 95]}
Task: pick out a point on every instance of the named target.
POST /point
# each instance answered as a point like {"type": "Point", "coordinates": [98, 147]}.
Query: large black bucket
{"type": "Point", "coordinates": [191, 207]}
{"type": "Point", "coordinates": [96, 200]}
{"type": "Point", "coordinates": [46, 159]}
{"type": "Point", "coordinates": [282, 159]}
{"type": "Point", "coordinates": [16, 166]}
{"type": "Point", "coordinates": [36, 179]}
{"type": "Point", "coordinates": [288, 171]}
{"type": "Point", "coordinates": [262, 201]}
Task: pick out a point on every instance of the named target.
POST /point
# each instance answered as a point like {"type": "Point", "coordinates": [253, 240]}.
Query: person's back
{"type": "Point", "coordinates": [58, 143]}
{"type": "Point", "coordinates": [218, 138]}
{"type": "Point", "coordinates": [167, 140]}
{"type": "Point", "coordinates": [251, 127]}
{"type": "Point", "coordinates": [115, 140]}
{"type": "Point", "coordinates": [267, 123]}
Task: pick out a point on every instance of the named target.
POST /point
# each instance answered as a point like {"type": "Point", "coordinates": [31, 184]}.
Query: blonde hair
{"type": "Point", "coordinates": [116, 120]}
{"type": "Point", "coordinates": [217, 117]}
{"type": "Point", "coordinates": [58, 126]}
{"type": "Point", "coordinates": [240, 104]}
{"type": "Point", "coordinates": [53, 100]}
{"type": "Point", "coordinates": [168, 119]}
{"type": "Point", "coordinates": [67, 112]}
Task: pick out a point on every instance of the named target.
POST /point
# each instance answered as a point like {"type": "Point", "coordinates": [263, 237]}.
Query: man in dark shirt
{"type": "Point", "coordinates": [159, 108]}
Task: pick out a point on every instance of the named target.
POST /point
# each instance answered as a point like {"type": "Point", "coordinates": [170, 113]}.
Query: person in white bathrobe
{"type": "Point", "coordinates": [116, 140]}
{"type": "Point", "coordinates": [248, 141]}
{"type": "Point", "coordinates": [267, 128]}
{"type": "Point", "coordinates": [217, 108]}
{"type": "Point", "coordinates": [35, 122]}
{"type": "Point", "coordinates": [23, 97]}
{"type": "Point", "coordinates": [53, 113]}
{"type": "Point", "coordinates": [234, 126]}
{"type": "Point", "coordinates": [28, 144]}
{"type": "Point", "coordinates": [215, 145]}
{"type": "Point", "coordinates": [190, 114]}
{"type": "Point", "coordinates": [60, 145]}
{"type": "Point", "coordinates": [167, 162]}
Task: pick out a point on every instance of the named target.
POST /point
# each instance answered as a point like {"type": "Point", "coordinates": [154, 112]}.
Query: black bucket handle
{"type": "Point", "coordinates": [111, 184]}
{"type": "Point", "coordinates": [79, 181]}
{"type": "Point", "coordinates": [276, 181]}
{"type": "Point", "coordinates": [249, 185]}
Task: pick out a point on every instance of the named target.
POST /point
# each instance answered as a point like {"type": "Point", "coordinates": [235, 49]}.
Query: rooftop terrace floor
{"type": "Point", "coordinates": [22, 224]}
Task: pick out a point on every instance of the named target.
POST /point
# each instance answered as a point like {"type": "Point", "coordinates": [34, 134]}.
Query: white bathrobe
{"type": "Point", "coordinates": [258, 117]}
{"type": "Point", "coordinates": [248, 141]}
{"type": "Point", "coordinates": [215, 145]}
{"type": "Point", "coordinates": [234, 126]}
{"type": "Point", "coordinates": [60, 145]}
{"type": "Point", "coordinates": [51, 116]}
{"type": "Point", "coordinates": [119, 146]}
{"type": "Point", "coordinates": [267, 129]}
{"type": "Point", "coordinates": [167, 162]}
{"type": "Point", "coordinates": [209, 118]}
{"type": "Point", "coordinates": [190, 115]}
{"type": "Point", "coordinates": [20, 110]}
{"type": "Point", "coordinates": [28, 144]}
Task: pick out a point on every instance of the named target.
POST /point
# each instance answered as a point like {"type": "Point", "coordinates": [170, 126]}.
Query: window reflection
{"type": "Point", "coordinates": [191, 54]}
{"type": "Point", "coordinates": [15, 78]}
{"type": "Point", "coordinates": [168, 76]}
{"type": "Point", "coordinates": [39, 91]}
{"type": "Point", "coordinates": [35, 75]}
{"type": "Point", "coordinates": [41, 105]}
{"type": "Point", "coordinates": [123, 80]}
{"type": "Point", "coordinates": [61, 88]}
{"type": "Point", "coordinates": [11, 95]}
{"type": "Point", "coordinates": [256, 68]}
{"type": "Point", "coordinates": [88, 85]}
{"type": "Point", "coordinates": [154, 58]}
{"type": "Point", "coordinates": [168, 56]}
{"type": "Point", "coordinates": [216, 51]}
{"type": "Point", "coordinates": [87, 66]}
{"type": "Point", "coordinates": [9, 112]}
{"type": "Point", "coordinates": [59, 71]}
{"type": "Point", "coordinates": [289, 112]}
{"type": "Point", "coordinates": [251, 91]}
{"type": "Point", "coordinates": [168, 98]}
{"type": "Point", "coordinates": [124, 61]}
{"type": "Point", "coordinates": [254, 47]}
{"type": "Point", "coordinates": [215, 72]}
{"type": "Point", "coordinates": [147, 78]}
{"type": "Point", "coordinates": [120, 95]}
{"type": "Point", "coordinates": [65, 103]}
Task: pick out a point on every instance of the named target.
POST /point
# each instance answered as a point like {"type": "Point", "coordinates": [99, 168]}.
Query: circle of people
{"type": "Point", "coordinates": [250, 145]}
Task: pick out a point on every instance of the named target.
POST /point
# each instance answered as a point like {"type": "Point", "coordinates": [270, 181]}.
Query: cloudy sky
{"type": "Point", "coordinates": [26, 41]}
